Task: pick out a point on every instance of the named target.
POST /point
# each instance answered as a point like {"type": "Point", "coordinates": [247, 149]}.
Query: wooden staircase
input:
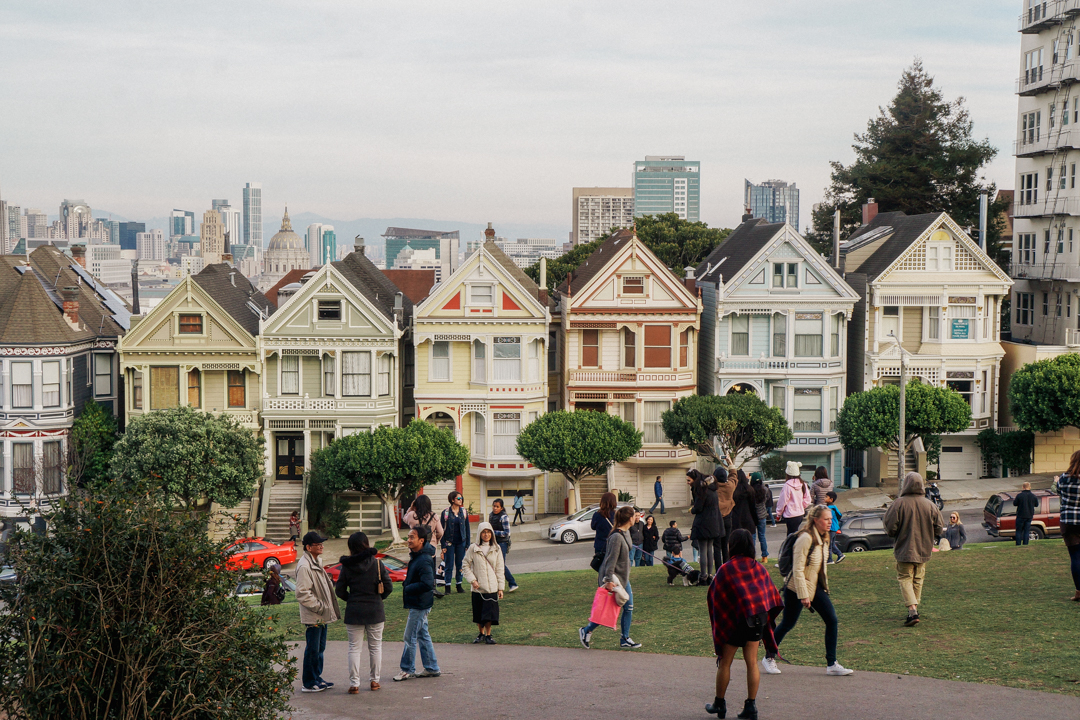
{"type": "Point", "coordinates": [591, 488]}
{"type": "Point", "coordinates": [285, 497]}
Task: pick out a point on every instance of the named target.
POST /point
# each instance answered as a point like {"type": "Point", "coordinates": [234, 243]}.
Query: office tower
{"type": "Point", "coordinates": [253, 233]}
{"type": "Point", "coordinates": [37, 223]}
{"type": "Point", "coordinates": [321, 244]}
{"type": "Point", "coordinates": [14, 222]}
{"type": "Point", "coordinates": [111, 230]}
{"type": "Point", "coordinates": [150, 245]}
{"type": "Point", "coordinates": [75, 219]}
{"type": "Point", "coordinates": [774, 200]}
{"type": "Point", "coordinates": [181, 222]}
{"type": "Point", "coordinates": [212, 236]}
{"type": "Point", "coordinates": [5, 247]}
{"type": "Point", "coordinates": [445, 244]}
{"type": "Point", "coordinates": [667, 184]}
{"type": "Point", "coordinates": [104, 261]}
{"type": "Point", "coordinates": [230, 218]}
{"type": "Point", "coordinates": [128, 231]}
{"type": "Point", "coordinates": [597, 210]}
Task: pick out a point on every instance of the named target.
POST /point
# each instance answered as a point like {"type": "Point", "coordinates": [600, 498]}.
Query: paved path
{"type": "Point", "coordinates": [543, 683]}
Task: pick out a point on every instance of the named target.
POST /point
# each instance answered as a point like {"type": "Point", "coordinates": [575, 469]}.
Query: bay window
{"type": "Point", "coordinates": [658, 346]}
{"type": "Point", "coordinates": [590, 348]}
{"type": "Point", "coordinates": [164, 387]}
{"type": "Point", "coordinates": [479, 364]}
{"type": "Point", "coordinates": [440, 360]}
{"type": "Point", "coordinates": [808, 337]}
{"type": "Point", "coordinates": [50, 384]}
{"type": "Point", "coordinates": [629, 349]}
{"type": "Point", "coordinates": [290, 374]}
{"type": "Point", "coordinates": [740, 334]}
{"type": "Point", "coordinates": [384, 375]}
{"type": "Point", "coordinates": [103, 374]}
{"type": "Point", "coordinates": [356, 374]}
{"type": "Point", "coordinates": [22, 385]}
{"type": "Point", "coordinates": [479, 444]}
{"type": "Point", "coordinates": [652, 426]}
{"type": "Point", "coordinates": [51, 467]}
{"type": "Point", "coordinates": [505, 429]}
{"type": "Point", "coordinates": [329, 375]}
{"type": "Point", "coordinates": [23, 477]}
{"type": "Point", "coordinates": [534, 361]}
{"type": "Point", "coordinates": [237, 388]}
{"type": "Point", "coordinates": [194, 388]}
{"type": "Point", "coordinates": [507, 359]}
{"type": "Point", "coordinates": [807, 410]}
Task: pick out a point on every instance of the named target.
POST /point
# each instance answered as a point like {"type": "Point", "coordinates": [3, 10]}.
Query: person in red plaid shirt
{"type": "Point", "coordinates": [743, 605]}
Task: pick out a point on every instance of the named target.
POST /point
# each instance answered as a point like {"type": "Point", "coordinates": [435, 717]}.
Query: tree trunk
{"type": "Point", "coordinates": [390, 503]}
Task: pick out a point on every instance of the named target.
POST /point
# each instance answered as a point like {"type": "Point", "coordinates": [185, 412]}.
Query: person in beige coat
{"type": "Point", "coordinates": [483, 569]}
{"type": "Point", "coordinates": [808, 587]}
{"type": "Point", "coordinates": [318, 608]}
{"type": "Point", "coordinates": [916, 524]}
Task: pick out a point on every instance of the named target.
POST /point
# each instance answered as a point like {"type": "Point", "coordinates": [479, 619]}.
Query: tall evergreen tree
{"type": "Point", "coordinates": [917, 156]}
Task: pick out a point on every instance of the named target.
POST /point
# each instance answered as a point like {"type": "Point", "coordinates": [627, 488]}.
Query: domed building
{"type": "Point", "coordinates": [285, 252]}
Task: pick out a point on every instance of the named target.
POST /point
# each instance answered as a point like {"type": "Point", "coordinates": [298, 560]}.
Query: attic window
{"type": "Point", "coordinates": [482, 295]}
{"type": "Point", "coordinates": [633, 286]}
{"type": "Point", "coordinates": [191, 324]}
{"type": "Point", "coordinates": [329, 309]}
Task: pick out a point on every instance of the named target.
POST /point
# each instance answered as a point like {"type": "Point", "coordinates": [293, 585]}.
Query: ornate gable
{"type": "Point", "coordinates": [944, 238]}
{"type": "Point", "coordinates": [814, 279]}
{"type": "Point", "coordinates": [300, 314]}
{"type": "Point", "coordinates": [632, 279]}
{"type": "Point", "coordinates": [483, 290]}
{"type": "Point", "coordinates": [160, 329]}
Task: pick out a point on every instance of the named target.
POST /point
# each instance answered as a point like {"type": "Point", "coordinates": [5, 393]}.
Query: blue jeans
{"type": "Point", "coordinates": [660, 502]}
{"type": "Point", "coordinates": [834, 547]}
{"type": "Point", "coordinates": [647, 558]}
{"type": "Point", "coordinates": [635, 556]}
{"type": "Point", "coordinates": [452, 556]}
{"type": "Point", "coordinates": [624, 619]}
{"type": "Point", "coordinates": [416, 633]}
{"type": "Point", "coordinates": [1023, 530]}
{"type": "Point", "coordinates": [313, 654]}
{"type": "Point", "coordinates": [761, 538]}
{"type": "Point", "coordinates": [506, 568]}
{"type": "Point", "coordinates": [823, 606]}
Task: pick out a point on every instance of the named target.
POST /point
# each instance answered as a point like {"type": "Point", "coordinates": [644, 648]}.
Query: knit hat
{"type": "Point", "coordinates": [792, 469]}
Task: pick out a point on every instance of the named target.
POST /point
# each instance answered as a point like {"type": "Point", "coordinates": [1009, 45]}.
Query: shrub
{"type": "Point", "coordinates": [773, 466]}
{"type": "Point", "coordinates": [326, 511]}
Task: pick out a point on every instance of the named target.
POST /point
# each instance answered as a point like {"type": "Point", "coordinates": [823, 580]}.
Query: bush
{"type": "Point", "coordinates": [1012, 450]}
{"type": "Point", "coordinates": [326, 511]}
{"type": "Point", "coordinates": [773, 466]}
{"type": "Point", "coordinates": [125, 610]}
{"type": "Point", "coordinates": [624, 496]}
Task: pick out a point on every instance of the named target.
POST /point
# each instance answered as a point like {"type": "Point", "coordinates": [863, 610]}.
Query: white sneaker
{"type": "Point", "coordinates": [403, 676]}
{"type": "Point", "coordinates": [768, 666]}
{"type": "Point", "coordinates": [837, 669]}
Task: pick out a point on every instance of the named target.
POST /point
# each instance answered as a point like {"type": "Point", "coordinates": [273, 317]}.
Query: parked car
{"type": "Point", "coordinates": [248, 553]}
{"type": "Point", "coordinates": [863, 530]}
{"type": "Point", "coordinates": [252, 586]}
{"type": "Point", "coordinates": [8, 575]}
{"type": "Point", "coordinates": [394, 566]}
{"type": "Point", "coordinates": [999, 515]}
{"type": "Point", "coordinates": [576, 527]}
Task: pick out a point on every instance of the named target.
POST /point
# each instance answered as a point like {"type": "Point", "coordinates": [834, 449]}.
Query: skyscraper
{"type": "Point", "coordinates": [212, 236]}
{"type": "Point", "coordinates": [321, 244]}
{"type": "Point", "coordinates": [112, 229]}
{"type": "Point", "coordinates": [445, 244]}
{"type": "Point", "coordinates": [75, 219]}
{"type": "Point", "coordinates": [230, 218]}
{"type": "Point", "coordinates": [128, 231]}
{"type": "Point", "coordinates": [150, 245]}
{"type": "Point", "coordinates": [597, 210]}
{"type": "Point", "coordinates": [253, 233]}
{"type": "Point", "coordinates": [181, 222]}
{"type": "Point", "coordinates": [774, 200]}
{"type": "Point", "coordinates": [37, 223]}
{"type": "Point", "coordinates": [667, 184]}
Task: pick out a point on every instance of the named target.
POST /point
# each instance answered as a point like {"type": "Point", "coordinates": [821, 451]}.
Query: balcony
{"type": "Point", "coordinates": [1047, 77]}
{"type": "Point", "coordinates": [776, 365]}
{"type": "Point", "coordinates": [1054, 140]}
{"type": "Point", "coordinates": [315, 404]}
{"type": "Point", "coordinates": [1059, 270]}
{"type": "Point", "coordinates": [1047, 207]}
{"type": "Point", "coordinates": [1046, 14]}
{"type": "Point", "coordinates": [629, 377]}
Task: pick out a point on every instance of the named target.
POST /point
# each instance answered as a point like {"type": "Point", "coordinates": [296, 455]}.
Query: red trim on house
{"type": "Point", "coordinates": [508, 303]}
{"type": "Point", "coordinates": [454, 303]}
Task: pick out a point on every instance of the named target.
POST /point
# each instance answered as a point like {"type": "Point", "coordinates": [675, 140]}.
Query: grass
{"type": "Point", "coordinates": [993, 613]}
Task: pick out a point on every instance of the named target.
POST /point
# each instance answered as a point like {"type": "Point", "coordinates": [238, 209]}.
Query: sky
{"type": "Point", "coordinates": [467, 110]}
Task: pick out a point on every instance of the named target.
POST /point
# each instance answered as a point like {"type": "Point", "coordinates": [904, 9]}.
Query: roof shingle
{"type": "Point", "coordinates": [233, 292]}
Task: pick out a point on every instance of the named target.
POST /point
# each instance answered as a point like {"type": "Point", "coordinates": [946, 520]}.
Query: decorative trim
{"type": "Point", "coordinates": [300, 351]}
{"type": "Point", "coordinates": [221, 366]}
{"type": "Point", "coordinates": [452, 338]}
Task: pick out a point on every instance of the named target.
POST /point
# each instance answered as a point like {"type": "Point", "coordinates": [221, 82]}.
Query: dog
{"type": "Point", "coordinates": [678, 567]}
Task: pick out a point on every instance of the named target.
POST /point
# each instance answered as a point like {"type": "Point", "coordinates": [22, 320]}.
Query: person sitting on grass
{"type": "Point", "coordinates": [483, 570]}
{"type": "Point", "coordinates": [743, 605]}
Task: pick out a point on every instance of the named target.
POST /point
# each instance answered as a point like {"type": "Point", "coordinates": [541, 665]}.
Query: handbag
{"type": "Point", "coordinates": [605, 611]}
{"type": "Point", "coordinates": [379, 587]}
{"type": "Point", "coordinates": [279, 592]}
{"type": "Point", "coordinates": [597, 561]}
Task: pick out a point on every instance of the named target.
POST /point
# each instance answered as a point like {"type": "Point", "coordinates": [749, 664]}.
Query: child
{"type": "Point", "coordinates": [294, 526]}
{"type": "Point", "coordinates": [677, 566]}
{"type": "Point", "coordinates": [673, 540]}
{"type": "Point", "coordinates": [834, 528]}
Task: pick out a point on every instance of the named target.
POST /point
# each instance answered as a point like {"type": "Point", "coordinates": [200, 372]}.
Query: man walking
{"type": "Point", "coordinates": [1026, 504]}
{"type": "Point", "coordinates": [916, 523]}
{"type": "Point", "coordinates": [658, 491]}
{"type": "Point", "coordinates": [318, 608]}
{"type": "Point", "coordinates": [455, 539]}
{"type": "Point", "coordinates": [500, 523]}
{"type": "Point", "coordinates": [418, 595]}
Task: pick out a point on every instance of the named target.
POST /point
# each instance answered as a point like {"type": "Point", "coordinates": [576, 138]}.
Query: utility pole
{"type": "Point", "coordinates": [901, 451]}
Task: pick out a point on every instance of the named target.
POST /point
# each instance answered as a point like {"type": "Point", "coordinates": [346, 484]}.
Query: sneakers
{"type": "Point", "coordinates": [629, 643]}
{"type": "Point", "coordinates": [479, 639]}
{"type": "Point", "coordinates": [488, 640]}
{"type": "Point", "coordinates": [831, 562]}
{"type": "Point", "coordinates": [326, 683]}
{"type": "Point", "coordinates": [314, 688]}
{"type": "Point", "coordinates": [585, 637]}
{"type": "Point", "coordinates": [428, 673]}
{"type": "Point", "coordinates": [404, 676]}
{"type": "Point", "coordinates": [837, 669]}
{"type": "Point", "coordinates": [768, 666]}
{"type": "Point", "coordinates": [512, 588]}
{"type": "Point", "coordinates": [840, 559]}
{"type": "Point", "coordinates": [911, 620]}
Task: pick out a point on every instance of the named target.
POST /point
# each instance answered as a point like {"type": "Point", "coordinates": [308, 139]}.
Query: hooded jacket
{"type": "Point", "coordinates": [914, 521]}
{"type": "Point", "coordinates": [708, 523]}
{"type": "Point", "coordinates": [724, 495]}
{"type": "Point", "coordinates": [794, 499]}
{"type": "Point", "coordinates": [484, 563]}
{"type": "Point", "coordinates": [821, 487]}
{"type": "Point", "coordinates": [418, 589]}
{"type": "Point", "coordinates": [315, 592]}
{"type": "Point", "coordinates": [358, 586]}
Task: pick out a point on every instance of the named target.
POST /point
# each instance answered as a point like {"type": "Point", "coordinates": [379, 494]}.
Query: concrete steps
{"type": "Point", "coordinates": [285, 497]}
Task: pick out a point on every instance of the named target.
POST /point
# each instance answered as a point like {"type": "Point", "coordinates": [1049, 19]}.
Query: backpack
{"type": "Point", "coordinates": [787, 552]}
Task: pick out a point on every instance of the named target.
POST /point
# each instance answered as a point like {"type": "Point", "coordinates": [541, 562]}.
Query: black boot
{"type": "Point", "coordinates": [749, 711]}
{"type": "Point", "coordinates": [717, 707]}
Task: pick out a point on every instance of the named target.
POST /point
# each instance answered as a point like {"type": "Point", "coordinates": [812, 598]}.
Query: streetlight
{"type": "Point", "coordinates": [901, 451]}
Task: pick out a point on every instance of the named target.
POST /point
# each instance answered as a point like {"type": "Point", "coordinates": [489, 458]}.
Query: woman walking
{"type": "Point", "coordinates": [652, 540]}
{"type": "Point", "coordinates": [821, 486]}
{"type": "Point", "coordinates": [294, 526]}
{"type": "Point", "coordinates": [616, 569]}
{"type": "Point", "coordinates": [1069, 490]}
{"type": "Point", "coordinates": [761, 507]}
{"type": "Point", "coordinates": [794, 498]}
{"type": "Point", "coordinates": [603, 521]}
{"type": "Point", "coordinates": [744, 511]}
{"type": "Point", "coordinates": [743, 604]}
{"type": "Point", "coordinates": [708, 527]}
{"type": "Point", "coordinates": [955, 533]}
{"type": "Point", "coordinates": [519, 507]}
{"type": "Point", "coordinates": [808, 587]}
{"type": "Point", "coordinates": [363, 584]}
{"type": "Point", "coordinates": [483, 570]}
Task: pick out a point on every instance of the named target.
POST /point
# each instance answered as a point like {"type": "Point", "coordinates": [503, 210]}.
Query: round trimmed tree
{"type": "Point", "coordinates": [739, 425]}
{"type": "Point", "coordinates": [1044, 396]}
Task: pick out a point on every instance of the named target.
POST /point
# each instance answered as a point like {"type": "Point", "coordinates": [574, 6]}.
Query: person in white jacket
{"type": "Point", "coordinates": [483, 569]}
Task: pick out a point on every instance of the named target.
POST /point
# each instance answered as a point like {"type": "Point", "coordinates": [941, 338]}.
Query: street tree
{"type": "Point", "coordinates": [191, 456]}
{"type": "Point", "coordinates": [390, 462]}
{"type": "Point", "coordinates": [871, 418]}
{"type": "Point", "coordinates": [917, 156]}
{"type": "Point", "coordinates": [739, 425]}
{"type": "Point", "coordinates": [578, 444]}
{"type": "Point", "coordinates": [1044, 396]}
{"type": "Point", "coordinates": [93, 436]}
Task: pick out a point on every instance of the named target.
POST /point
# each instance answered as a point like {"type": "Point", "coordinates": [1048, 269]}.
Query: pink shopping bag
{"type": "Point", "coordinates": [604, 608]}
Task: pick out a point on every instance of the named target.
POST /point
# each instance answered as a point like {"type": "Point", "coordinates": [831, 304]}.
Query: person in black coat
{"type": "Point", "coordinates": [363, 584]}
{"type": "Point", "coordinates": [708, 527]}
{"type": "Point", "coordinates": [1026, 504]}
{"type": "Point", "coordinates": [744, 514]}
{"type": "Point", "coordinates": [652, 540]}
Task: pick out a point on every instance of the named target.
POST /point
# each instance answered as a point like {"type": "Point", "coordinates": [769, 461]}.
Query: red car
{"type": "Point", "coordinates": [999, 515]}
{"type": "Point", "coordinates": [395, 567]}
{"type": "Point", "coordinates": [255, 553]}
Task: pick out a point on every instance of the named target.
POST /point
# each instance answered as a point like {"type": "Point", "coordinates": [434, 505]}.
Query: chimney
{"type": "Point", "coordinates": [869, 211]}
{"type": "Point", "coordinates": [78, 252]}
{"type": "Point", "coordinates": [358, 245]}
{"type": "Point", "coordinates": [226, 258]}
{"type": "Point", "coordinates": [71, 305]}
{"type": "Point", "coordinates": [836, 239]}
{"type": "Point", "coordinates": [543, 274]}
{"type": "Point", "coordinates": [748, 215]}
{"type": "Point", "coordinates": [399, 307]}
{"type": "Point", "coordinates": [232, 277]}
{"type": "Point", "coordinates": [134, 287]}
{"type": "Point", "coordinates": [688, 279]}
{"type": "Point", "coordinates": [489, 234]}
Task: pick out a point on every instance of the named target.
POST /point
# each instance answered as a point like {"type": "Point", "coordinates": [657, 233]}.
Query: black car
{"type": "Point", "coordinates": [863, 530]}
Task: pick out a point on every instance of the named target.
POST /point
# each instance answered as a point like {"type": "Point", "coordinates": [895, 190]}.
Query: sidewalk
{"type": "Point", "coordinates": [958, 494]}
{"type": "Point", "coordinates": [539, 683]}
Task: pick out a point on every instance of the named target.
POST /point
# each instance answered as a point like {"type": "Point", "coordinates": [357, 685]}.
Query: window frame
{"type": "Point", "coordinates": [633, 285]}
{"type": "Point", "coordinates": [98, 375]}
{"type": "Point", "coordinates": [196, 374]}
{"type": "Point", "coordinates": [496, 450]}
{"type": "Point", "coordinates": [479, 361]}
{"type": "Point", "coordinates": [291, 372]}
{"type": "Point", "coordinates": [795, 410]}
{"type": "Point", "coordinates": [480, 301]}
{"type": "Point", "coordinates": [438, 362]}
{"type": "Point", "coordinates": [590, 346]}
{"type": "Point", "coordinates": [361, 376]}
{"type": "Point", "coordinates": [185, 320]}
{"type": "Point", "coordinates": [137, 389]}
{"type": "Point", "coordinates": [326, 309]}
{"type": "Point", "coordinates": [240, 387]}
{"type": "Point", "coordinates": [383, 374]}
{"type": "Point", "coordinates": [629, 349]}
{"type": "Point", "coordinates": [661, 354]}
{"type": "Point", "coordinates": [328, 369]}
{"type": "Point", "coordinates": [655, 427]}
{"type": "Point", "coordinates": [52, 476]}
{"type": "Point", "coordinates": [506, 369]}
{"type": "Point", "coordinates": [733, 332]}
{"type": "Point", "coordinates": [164, 369]}
{"type": "Point", "coordinates": [29, 365]}
{"type": "Point", "coordinates": [46, 366]}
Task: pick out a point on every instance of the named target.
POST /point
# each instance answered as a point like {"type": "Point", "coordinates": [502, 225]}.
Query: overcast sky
{"type": "Point", "coordinates": [466, 110]}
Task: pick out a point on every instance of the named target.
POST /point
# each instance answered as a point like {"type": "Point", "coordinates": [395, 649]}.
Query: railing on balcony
{"type": "Point", "coordinates": [1059, 270]}
{"type": "Point", "coordinates": [1029, 145]}
{"type": "Point", "coordinates": [1045, 207]}
{"type": "Point", "coordinates": [628, 376]}
{"type": "Point", "coordinates": [1041, 15]}
{"type": "Point", "coordinates": [809, 363]}
{"type": "Point", "coordinates": [1042, 77]}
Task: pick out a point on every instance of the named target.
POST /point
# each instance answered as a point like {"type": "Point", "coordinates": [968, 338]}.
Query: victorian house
{"type": "Point", "coordinates": [480, 340]}
{"type": "Point", "coordinates": [58, 333]}
{"type": "Point", "coordinates": [928, 290]}
{"type": "Point", "coordinates": [629, 348]}
{"type": "Point", "coordinates": [337, 359]}
{"type": "Point", "coordinates": [198, 347]}
{"type": "Point", "coordinates": [774, 324]}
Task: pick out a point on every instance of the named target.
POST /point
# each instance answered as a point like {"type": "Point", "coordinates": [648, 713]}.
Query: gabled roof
{"type": "Point", "coordinates": [511, 267]}
{"type": "Point", "coordinates": [235, 294]}
{"type": "Point", "coordinates": [596, 262]}
{"type": "Point", "coordinates": [416, 284]}
{"type": "Point", "coordinates": [95, 300]}
{"type": "Point", "coordinates": [739, 248]}
{"type": "Point", "coordinates": [372, 284]}
{"type": "Point", "coordinates": [899, 231]}
{"type": "Point", "coordinates": [293, 276]}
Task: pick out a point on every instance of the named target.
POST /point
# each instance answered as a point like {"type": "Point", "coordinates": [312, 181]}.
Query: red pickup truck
{"type": "Point", "coordinates": [999, 515]}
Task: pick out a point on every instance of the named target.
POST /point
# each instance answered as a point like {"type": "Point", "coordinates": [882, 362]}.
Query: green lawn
{"type": "Point", "coordinates": [992, 613]}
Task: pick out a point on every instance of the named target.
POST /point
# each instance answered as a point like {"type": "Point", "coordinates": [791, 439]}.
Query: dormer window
{"type": "Point", "coordinates": [633, 286]}
{"type": "Point", "coordinates": [785, 275]}
{"type": "Point", "coordinates": [939, 256]}
{"type": "Point", "coordinates": [330, 310]}
{"type": "Point", "coordinates": [482, 295]}
{"type": "Point", "coordinates": [191, 325]}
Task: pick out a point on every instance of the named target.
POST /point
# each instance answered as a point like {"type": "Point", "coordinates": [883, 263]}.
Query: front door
{"type": "Point", "coordinates": [290, 457]}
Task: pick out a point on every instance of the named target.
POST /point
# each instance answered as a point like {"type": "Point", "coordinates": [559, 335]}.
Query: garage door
{"type": "Point", "coordinates": [507, 489]}
{"type": "Point", "coordinates": [676, 491]}
{"type": "Point", "coordinates": [959, 460]}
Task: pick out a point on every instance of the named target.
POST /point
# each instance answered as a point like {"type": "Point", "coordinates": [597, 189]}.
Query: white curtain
{"type": "Point", "coordinates": [356, 374]}
{"type": "Point", "coordinates": [50, 384]}
{"type": "Point", "coordinates": [290, 375]}
{"type": "Point", "coordinates": [653, 429]}
{"type": "Point", "coordinates": [384, 375]}
{"type": "Point", "coordinates": [479, 447]}
{"type": "Point", "coordinates": [22, 387]}
{"type": "Point", "coordinates": [505, 437]}
{"type": "Point", "coordinates": [328, 375]}
{"type": "Point", "coordinates": [507, 362]}
{"type": "Point", "coordinates": [479, 360]}
{"type": "Point", "coordinates": [440, 360]}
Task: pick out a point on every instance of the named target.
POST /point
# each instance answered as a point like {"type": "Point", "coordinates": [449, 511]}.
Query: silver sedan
{"type": "Point", "coordinates": [576, 527]}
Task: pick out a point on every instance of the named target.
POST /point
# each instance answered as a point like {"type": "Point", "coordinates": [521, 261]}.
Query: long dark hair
{"type": "Point", "coordinates": [608, 501]}
{"type": "Point", "coordinates": [1074, 465]}
{"type": "Point", "coordinates": [758, 486]}
{"type": "Point", "coordinates": [422, 509]}
{"type": "Point", "coordinates": [698, 481]}
{"type": "Point", "coordinates": [741, 543]}
{"type": "Point", "coordinates": [822, 473]}
{"type": "Point", "coordinates": [358, 543]}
